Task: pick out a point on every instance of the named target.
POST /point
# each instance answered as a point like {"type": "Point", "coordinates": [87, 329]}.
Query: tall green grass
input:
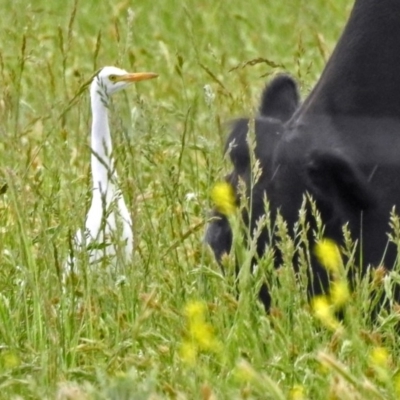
{"type": "Point", "coordinates": [103, 339]}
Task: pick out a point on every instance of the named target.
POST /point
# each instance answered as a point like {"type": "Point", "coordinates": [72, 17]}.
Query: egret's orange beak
{"type": "Point", "coordinates": [136, 77]}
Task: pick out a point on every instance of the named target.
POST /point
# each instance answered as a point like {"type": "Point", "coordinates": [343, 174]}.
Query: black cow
{"type": "Point", "coordinates": [342, 145]}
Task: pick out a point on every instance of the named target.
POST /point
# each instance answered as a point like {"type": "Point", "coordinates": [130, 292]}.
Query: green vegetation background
{"type": "Point", "coordinates": [103, 339]}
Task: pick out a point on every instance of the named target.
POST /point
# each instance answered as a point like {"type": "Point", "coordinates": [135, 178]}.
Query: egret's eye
{"type": "Point", "coordinates": [113, 78]}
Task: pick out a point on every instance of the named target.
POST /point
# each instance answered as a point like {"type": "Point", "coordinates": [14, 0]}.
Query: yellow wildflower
{"type": "Point", "coordinates": [200, 331]}
{"type": "Point", "coordinates": [379, 357]}
{"type": "Point", "coordinates": [297, 393]}
{"type": "Point", "coordinates": [328, 254]}
{"type": "Point", "coordinates": [223, 197]}
{"type": "Point", "coordinates": [188, 352]}
{"type": "Point", "coordinates": [339, 293]}
{"type": "Point", "coordinates": [195, 310]}
{"type": "Point", "coordinates": [323, 310]}
{"type": "Point", "coordinates": [200, 334]}
{"type": "Point", "coordinates": [379, 360]}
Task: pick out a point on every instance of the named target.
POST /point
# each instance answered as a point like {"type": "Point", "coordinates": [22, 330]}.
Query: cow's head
{"type": "Point", "coordinates": [279, 101]}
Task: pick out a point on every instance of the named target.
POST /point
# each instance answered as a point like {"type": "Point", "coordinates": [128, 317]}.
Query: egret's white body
{"type": "Point", "coordinates": [108, 226]}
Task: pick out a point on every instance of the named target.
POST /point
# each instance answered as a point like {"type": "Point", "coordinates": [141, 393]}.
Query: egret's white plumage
{"type": "Point", "coordinates": [108, 227]}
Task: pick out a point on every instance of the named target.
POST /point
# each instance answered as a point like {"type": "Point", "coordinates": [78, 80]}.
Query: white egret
{"type": "Point", "coordinates": [108, 226]}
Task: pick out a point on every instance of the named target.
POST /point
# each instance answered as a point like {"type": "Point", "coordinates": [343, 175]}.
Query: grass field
{"type": "Point", "coordinates": [175, 327]}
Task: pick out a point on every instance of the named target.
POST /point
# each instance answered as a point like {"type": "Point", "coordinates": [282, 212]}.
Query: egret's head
{"type": "Point", "coordinates": [110, 80]}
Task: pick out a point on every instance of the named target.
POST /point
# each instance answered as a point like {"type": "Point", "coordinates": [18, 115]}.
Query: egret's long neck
{"type": "Point", "coordinates": [102, 164]}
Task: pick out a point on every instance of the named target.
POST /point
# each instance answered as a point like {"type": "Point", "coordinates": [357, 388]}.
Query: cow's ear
{"type": "Point", "coordinates": [333, 178]}
{"type": "Point", "coordinates": [280, 98]}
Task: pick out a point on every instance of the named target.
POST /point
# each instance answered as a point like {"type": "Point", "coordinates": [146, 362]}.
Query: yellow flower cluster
{"type": "Point", "coordinates": [324, 307]}
{"type": "Point", "coordinates": [379, 361]}
{"type": "Point", "coordinates": [379, 357]}
{"type": "Point", "coordinates": [339, 293]}
{"type": "Point", "coordinates": [324, 311]}
{"type": "Point", "coordinates": [328, 254]}
{"type": "Point", "coordinates": [223, 197]}
{"type": "Point", "coordinates": [200, 334]}
{"type": "Point", "coordinates": [297, 393]}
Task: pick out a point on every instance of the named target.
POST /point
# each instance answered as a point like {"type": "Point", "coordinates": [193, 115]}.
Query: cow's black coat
{"type": "Point", "coordinates": [342, 145]}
